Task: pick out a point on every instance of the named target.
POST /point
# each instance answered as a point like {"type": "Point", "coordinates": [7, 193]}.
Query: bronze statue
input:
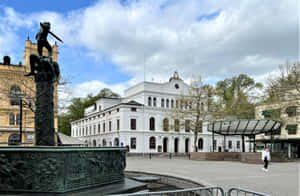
{"type": "Point", "coordinates": [41, 38]}
{"type": "Point", "coordinates": [45, 72]}
{"type": "Point", "coordinates": [42, 41]}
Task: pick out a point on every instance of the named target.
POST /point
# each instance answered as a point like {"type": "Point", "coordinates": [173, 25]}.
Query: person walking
{"type": "Point", "coordinates": [266, 157]}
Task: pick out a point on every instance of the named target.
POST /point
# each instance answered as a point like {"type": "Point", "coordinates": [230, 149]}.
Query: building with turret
{"type": "Point", "coordinates": [141, 122]}
{"type": "Point", "coordinates": [13, 86]}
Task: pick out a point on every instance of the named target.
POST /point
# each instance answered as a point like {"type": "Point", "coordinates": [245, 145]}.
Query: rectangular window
{"type": "Point", "coordinates": [230, 144]}
{"type": "Point", "coordinates": [11, 119]}
{"type": "Point", "coordinates": [133, 109]}
{"type": "Point", "coordinates": [215, 144]}
{"type": "Point", "coordinates": [291, 111]}
{"type": "Point", "coordinates": [187, 125]}
{"type": "Point", "coordinates": [99, 128]}
{"type": "Point", "coordinates": [109, 125]}
{"type": "Point", "coordinates": [94, 129]}
{"type": "Point", "coordinates": [18, 119]}
{"type": "Point", "coordinates": [273, 114]}
{"type": "Point", "coordinates": [238, 144]}
{"type": "Point", "coordinates": [133, 143]}
{"type": "Point", "coordinates": [292, 129]}
{"type": "Point", "coordinates": [104, 127]}
{"type": "Point", "coordinates": [118, 109]}
{"type": "Point", "coordinates": [177, 126]}
{"type": "Point", "coordinates": [133, 124]}
{"type": "Point", "coordinates": [118, 124]}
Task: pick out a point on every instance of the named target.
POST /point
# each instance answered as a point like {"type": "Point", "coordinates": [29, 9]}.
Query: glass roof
{"type": "Point", "coordinates": [244, 127]}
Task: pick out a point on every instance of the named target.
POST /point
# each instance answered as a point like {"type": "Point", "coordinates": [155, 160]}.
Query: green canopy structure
{"type": "Point", "coordinates": [244, 128]}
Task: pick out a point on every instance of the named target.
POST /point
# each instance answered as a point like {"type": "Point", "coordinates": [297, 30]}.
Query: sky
{"type": "Point", "coordinates": [118, 43]}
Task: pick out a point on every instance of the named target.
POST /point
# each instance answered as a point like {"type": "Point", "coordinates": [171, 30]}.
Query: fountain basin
{"type": "Point", "coordinates": [59, 169]}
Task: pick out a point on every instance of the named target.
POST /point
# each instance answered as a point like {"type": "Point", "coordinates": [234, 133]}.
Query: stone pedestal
{"type": "Point", "coordinates": [44, 114]}
{"type": "Point", "coordinates": [59, 169]}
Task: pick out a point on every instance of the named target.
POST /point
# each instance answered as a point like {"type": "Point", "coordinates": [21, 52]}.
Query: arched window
{"type": "Point", "coordinates": [172, 103]}
{"type": "Point", "coordinates": [177, 104]}
{"type": "Point", "coordinates": [149, 101]}
{"type": "Point", "coordinates": [15, 93]}
{"type": "Point", "coordinates": [152, 143]}
{"type": "Point", "coordinates": [94, 143]}
{"type": "Point", "coordinates": [202, 106]}
{"type": "Point", "coordinates": [103, 142]}
{"type": "Point", "coordinates": [154, 102]}
{"type": "Point", "coordinates": [162, 103]}
{"type": "Point", "coordinates": [167, 103]}
{"type": "Point", "coordinates": [13, 139]}
{"type": "Point", "coordinates": [177, 126]}
{"type": "Point", "coordinates": [116, 142]}
{"type": "Point", "coordinates": [152, 124]}
{"type": "Point", "coordinates": [200, 143]}
{"type": "Point", "coordinates": [166, 124]}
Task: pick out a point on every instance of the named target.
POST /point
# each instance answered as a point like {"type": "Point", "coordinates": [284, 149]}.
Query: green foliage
{"type": "Point", "coordinates": [64, 125]}
{"type": "Point", "coordinates": [76, 109]}
{"type": "Point", "coordinates": [281, 84]}
{"type": "Point", "coordinates": [234, 96]}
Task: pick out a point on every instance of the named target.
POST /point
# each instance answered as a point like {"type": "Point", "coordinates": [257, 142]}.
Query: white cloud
{"type": "Point", "coordinates": [250, 37]}
{"type": "Point", "coordinates": [247, 35]}
{"type": "Point", "coordinates": [94, 87]}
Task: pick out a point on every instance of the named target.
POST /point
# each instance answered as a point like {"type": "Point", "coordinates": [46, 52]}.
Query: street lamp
{"type": "Point", "coordinates": [28, 103]}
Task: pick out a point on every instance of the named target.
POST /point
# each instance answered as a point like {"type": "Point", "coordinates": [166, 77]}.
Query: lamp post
{"type": "Point", "coordinates": [21, 103]}
{"type": "Point", "coordinates": [20, 120]}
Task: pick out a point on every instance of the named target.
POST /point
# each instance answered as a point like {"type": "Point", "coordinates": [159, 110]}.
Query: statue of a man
{"type": "Point", "coordinates": [41, 38]}
{"type": "Point", "coordinates": [42, 41]}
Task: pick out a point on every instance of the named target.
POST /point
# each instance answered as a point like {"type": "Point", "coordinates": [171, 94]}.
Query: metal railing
{"type": "Point", "coordinates": [200, 191]}
{"type": "Point", "coordinates": [243, 192]}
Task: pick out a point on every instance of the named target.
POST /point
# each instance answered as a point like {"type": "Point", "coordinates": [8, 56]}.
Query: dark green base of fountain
{"type": "Point", "coordinates": [59, 169]}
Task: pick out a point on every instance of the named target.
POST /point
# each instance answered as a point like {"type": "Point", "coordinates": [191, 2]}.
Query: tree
{"type": "Point", "coordinates": [235, 97]}
{"type": "Point", "coordinates": [193, 108]}
{"type": "Point", "coordinates": [287, 82]}
{"type": "Point", "coordinates": [282, 98]}
{"type": "Point", "coordinates": [75, 110]}
{"type": "Point", "coordinates": [283, 89]}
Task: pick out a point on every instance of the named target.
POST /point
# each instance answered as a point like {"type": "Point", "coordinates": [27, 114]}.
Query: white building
{"type": "Point", "coordinates": [137, 122]}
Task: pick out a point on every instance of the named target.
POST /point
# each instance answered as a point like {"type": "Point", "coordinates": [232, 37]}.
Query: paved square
{"type": "Point", "coordinates": [281, 180]}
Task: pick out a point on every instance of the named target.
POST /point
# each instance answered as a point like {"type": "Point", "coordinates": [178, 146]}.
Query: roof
{"type": "Point", "coordinates": [69, 141]}
{"type": "Point", "coordinates": [244, 127]}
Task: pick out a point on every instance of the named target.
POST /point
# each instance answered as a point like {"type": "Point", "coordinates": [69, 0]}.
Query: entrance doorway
{"type": "Point", "coordinates": [165, 144]}
{"type": "Point", "coordinates": [219, 149]}
{"type": "Point", "coordinates": [187, 144]}
{"type": "Point", "coordinates": [176, 141]}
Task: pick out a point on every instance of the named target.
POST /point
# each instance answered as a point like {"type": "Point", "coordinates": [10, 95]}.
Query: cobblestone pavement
{"type": "Point", "coordinates": [282, 179]}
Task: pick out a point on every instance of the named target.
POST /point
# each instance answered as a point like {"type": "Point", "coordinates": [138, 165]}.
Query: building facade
{"type": "Point", "coordinates": [13, 85]}
{"type": "Point", "coordinates": [287, 111]}
{"type": "Point", "coordinates": [141, 122]}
